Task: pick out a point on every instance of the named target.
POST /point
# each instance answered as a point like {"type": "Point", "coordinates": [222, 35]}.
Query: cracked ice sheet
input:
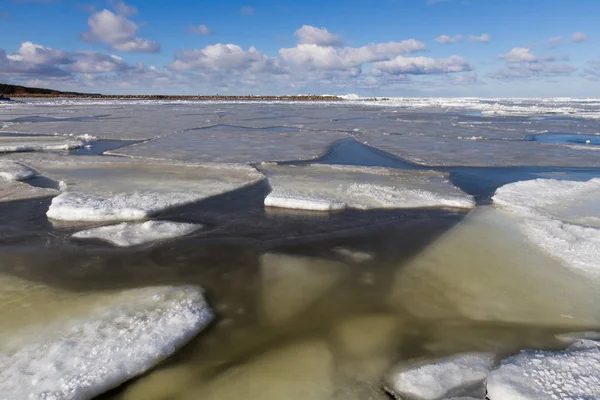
{"type": "Point", "coordinates": [10, 144]}
{"type": "Point", "coordinates": [132, 234]}
{"type": "Point", "coordinates": [485, 269]}
{"type": "Point", "coordinates": [235, 145]}
{"type": "Point", "coordinates": [480, 153]}
{"type": "Point", "coordinates": [102, 188]}
{"type": "Point", "coordinates": [14, 171]}
{"type": "Point", "coordinates": [561, 217]}
{"type": "Point", "coordinates": [60, 344]}
{"type": "Point", "coordinates": [571, 374]}
{"type": "Point", "coordinates": [329, 187]}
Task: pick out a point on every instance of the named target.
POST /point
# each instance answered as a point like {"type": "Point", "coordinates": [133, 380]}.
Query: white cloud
{"type": "Point", "coordinates": [313, 56]}
{"type": "Point", "coordinates": [118, 31]}
{"type": "Point", "coordinates": [422, 65]}
{"type": "Point", "coordinates": [579, 37]}
{"type": "Point", "coordinates": [200, 30]}
{"type": "Point", "coordinates": [319, 36]}
{"type": "Point", "coordinates": [123, 9]}
{"type": "Point", "coordinates": [445, 39]}
{"type": "Point", "coordinates": [483, 38]}
{"type": "Point", "coordinates": [555, 39]}
{"type": "Point", "coordinates": [35, 54]}
{"type": "Point", "coordinates": [247, 10]}
{"type": "Point", "coordinates": [521, 63]}
{"type": "Point", "coordinates": [89, 62]}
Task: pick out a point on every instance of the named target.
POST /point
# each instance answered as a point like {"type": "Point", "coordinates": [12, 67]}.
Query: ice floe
{"type": "Point", "coordinates": [334, 187]}
{"type": "Point", "coordinates": [571, 374]}
{"type": "Point", "coordinates": [561, 217]}
{"type": "Point", "coordinates": [108, 340]}
{"type": "Point", "coordinates": [486, 269]}
{"type": "Point", "coordinates": [14, 190]}
{"type": "Point", "coordinates": [102, 188]}
{"type": "Point", "coordinates": [11, 144]}
{"type": "Point", "coordinates": [13, 171]}
{"type": "Point", "coordinates": [132, 234]}
{"type": "Point", "coordinates": [459, 375]}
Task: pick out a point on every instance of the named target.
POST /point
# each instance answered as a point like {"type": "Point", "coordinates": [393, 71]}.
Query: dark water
{"type": "Point", "coordinates": [565, 138]}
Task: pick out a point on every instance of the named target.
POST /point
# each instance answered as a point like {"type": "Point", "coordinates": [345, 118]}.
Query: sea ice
{"type": "Point", "coordinates": [132, 234]}
{"type": "Point", "coordinates": [103, 188]}
{"type": "Point", "coordinates": [11, 144]}
{"type": "Point", "coordinates": [226, 144]}
{"type": "Point", "coordinates": [333, 187]}
{"type": "Point", "coordinates": [562, 217]}
{"type": "Point", "coordinates": [14, 190]}
{"type": "Point", "coordinates": [290, 284]}
{"type": "Point", "coordinates": [485, 269]}
{"type": "Point", "coordinates": [571, 374]}
{"type": "Point", "coordinates": [107, 340]}
{"type": "Point", "coordinates": [13, 171]}
{"type": "Point", "coordinates": [480, 153]}
{"type": "Point", "coordinates": [460, 375]}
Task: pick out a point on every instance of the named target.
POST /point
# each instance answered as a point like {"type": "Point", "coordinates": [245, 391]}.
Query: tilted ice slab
{"type": "Point", "coordinates": [480, 153]}
{"type": "Point", "coordinates": [561, 217]}
{"type": "Point", "coordinates": [106, 340]}
{"type": "Point", "coordinates": [329, 187]}
{"type": "Point", "coordinates": [102, 188]}
{"type": "Point", "coordinates": [132, 234]}
{"type": "Point", "coordinates": [234, 145]}
{"type": "Point", "coordinates": [571, 374]}
{"type": "Point", "coordinates": [14, 190]}
{"type": "Point", "coordinates": [459, 375]}
{"type": "Point", "coordinates": [486, 269]}
{"type": "Point", "coordinates": [9, 144]}
{"type": "Point", "coordinates": [13, 171]}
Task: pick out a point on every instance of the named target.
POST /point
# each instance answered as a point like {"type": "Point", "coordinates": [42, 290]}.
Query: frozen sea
{"type": "Point", "coordinates": [297, 250]}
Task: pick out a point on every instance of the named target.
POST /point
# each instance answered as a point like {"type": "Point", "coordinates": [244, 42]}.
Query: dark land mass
{"type": "Point", "coordinates": [23, 91]}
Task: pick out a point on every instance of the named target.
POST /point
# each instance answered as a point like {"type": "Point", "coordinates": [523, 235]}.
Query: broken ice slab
{"type": "Point", "coordinates": [485, 269]}
{"type": "Point", "coordinates": [573, 373]}
{"type": "Point", "coordinates": [290, 284]}
{"type": "Point", "coordinates": [14, 171]}
{"type": "Point", "coordinates": [101, 188]}
{"type": "Point", "coordinates": [481, 153]}
{"type": "Point", "coordinates": [561, 217]}
{"type": "Point", "coordinates": [333, 187]}
{"type": "Point", "coordinates": [131, 234]}
{"type": "Point", "coordinates": [12, 144]}
{"type": "Point", "coordinates": [14, 190]}
{"type": "Point", "coordinates": [459, 375]}
{"type": "Point", "coordinates": [226, 144]}
{"type": "Point", "coordinates": [90, 343]}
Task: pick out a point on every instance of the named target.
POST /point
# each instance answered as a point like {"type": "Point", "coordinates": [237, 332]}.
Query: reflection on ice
{"type": "Point", "coordinates": [329, 187]}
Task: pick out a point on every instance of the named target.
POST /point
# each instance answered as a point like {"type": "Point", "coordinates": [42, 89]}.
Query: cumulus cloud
{"type": "Point", "coordinates": [319, 36]}
{"type": "Point", "coordinates": [202, 30]}
{"type": "Point", "coordinates": [247, 10]}
{"type": "Point", "coordinates": [89, 62]}
{"type": "Point", "coordinates": [422, 65]}
{"type": "Point", "coordinates": [445, 39]}
{"type": "Point", "coordinates": [483, 38]}
{"type": "Point", "coordinates": [123, 9]}
{"type": "Point", "coordinates": [313, 56]}
{"type": "Point", "coordinates": [521, 63]}
{"type": "Point", "coordinates": [117, 31]}
{"type": "Point", "coordinates": [579, 37]}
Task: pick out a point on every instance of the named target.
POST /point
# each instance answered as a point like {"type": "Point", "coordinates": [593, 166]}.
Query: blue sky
{"type": "Point", "coordinates": [492, 48]}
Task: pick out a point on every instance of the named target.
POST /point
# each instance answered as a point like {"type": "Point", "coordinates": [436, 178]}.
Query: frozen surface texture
{"type": "Point", "coordinates": [132, 234]}
{"type": "Point", "coordinates": [102, 188]}
{"type": "Point", "coordinates": [232, 144]}
{"type": "Point", "coordinates": [459, 375]}
{"type": "Point", "coordinates": [14, 190]}
{"type": "Point", "coordinates": [562, 217]}
{"type": "Point", "coordinates": [571, 374]}
{"type": "Point", "coordinates": [327, 187]}
{"type": "Point", "coordinates": [13, 171]}
{"type": "Point", "coordinates": [37, 143]}
{"type": "Point", "coordinates": [485, 269]}
{"type": "Point", "coordinates": [112, 340]}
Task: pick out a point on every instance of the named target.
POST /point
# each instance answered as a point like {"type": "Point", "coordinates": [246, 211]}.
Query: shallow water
{"type": "Point", "coordinates": [308, 305]}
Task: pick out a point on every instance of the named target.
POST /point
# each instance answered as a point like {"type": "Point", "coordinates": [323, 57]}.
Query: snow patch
{"type": "Point", "coordinates": [132, 234]}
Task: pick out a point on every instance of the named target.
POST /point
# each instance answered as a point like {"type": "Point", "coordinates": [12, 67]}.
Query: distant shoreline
{"type": "Point", "coordinates": [174, 97]}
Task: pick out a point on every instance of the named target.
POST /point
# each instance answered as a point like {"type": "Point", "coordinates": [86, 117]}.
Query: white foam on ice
{"type": "Point", "coordinates": [562, 217]}
{"type": "Point", "coordinates": [72, 206]}
{"type": "Point", "coordinates": [82, 358]}
{"type": "Point", "coordinates": [324, 187]}
{"type": "Point", "coordinates": [453, 376]}
{"type": "Point", "coordinates": [132, 234]}
{"type": "Point", "coordinates": [571, 374]}
{"type": "Point", "coordinates": [14, 171]}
